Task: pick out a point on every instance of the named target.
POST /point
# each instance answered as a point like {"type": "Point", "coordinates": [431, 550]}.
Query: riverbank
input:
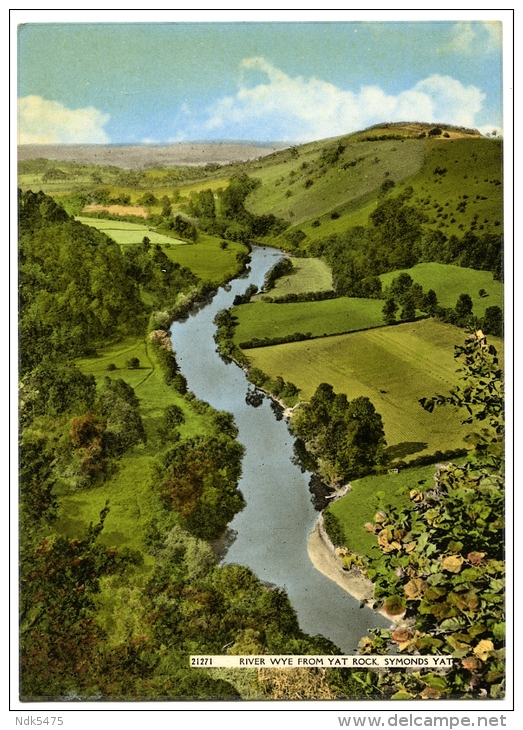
{"type": "Point", "coordinates": [324, 559]}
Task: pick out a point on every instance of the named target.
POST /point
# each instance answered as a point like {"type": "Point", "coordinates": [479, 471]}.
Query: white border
{"type": "Point", "coordinates": [309, 714]}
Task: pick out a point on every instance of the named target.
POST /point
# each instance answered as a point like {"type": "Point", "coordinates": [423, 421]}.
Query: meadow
{"type": "Point", "coordinates": [304, 187]}
{"type": "Point", "coordinates": [128, 233]}
{"type": "Point", "coordinates": [328, 317]}
{"type": "Point", "coordinates": [455, 185]}
{"type": "Point", "coordinates": [208, 259]}
{"type": "Point", "coordinates": [308, 275]}
{"type": "Point", "coordinates": [449, 281]}
{"type": "Point", "coordinates": [394, 367]}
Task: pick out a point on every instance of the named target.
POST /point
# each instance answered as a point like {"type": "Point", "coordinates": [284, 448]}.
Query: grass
{"type": "Point", "coordinates": [308, 275]}
{"type": "Point", "coordinates": [148, 384]}
{"type": "Point", "coordinates": [328, 317]}
{"type": "Point", "coordinates": [393, 366]}
{"type": "Point", "coordinates": [128, 233]}
{"type": "Point", "coordinates": [360, 504]}
{"type": "Point", "coordinates": [131, 500]}
{"type": "Point", "coordinates": [449, 281]}
{"type": "Point", "coordinates": [206, 258]}
{"type": "Point", "coordinates": [284, 190]}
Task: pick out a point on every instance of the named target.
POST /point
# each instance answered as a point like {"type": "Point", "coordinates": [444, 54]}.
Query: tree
{"type": "Point", "coordinates": [408, 311]}
{"type": "Point", "coordinates": [166, 207]}
{"type": "Point", "coordinates": [347, 438]}
{"type": "Point", "coordinates": [63, 649]}
{"type": "Point", "coordinates": [133, 363]}
{"type": "Point", "coordinates": [492, 323]}
{"type": "Point", "coordinates": [480, 393]}
{"type": "Point", "coordinates": [442, 557]}
{"type": "Point", "coordinates": [400, 285]}
{"type": "Point", "coordinates": [389, 311]}
{"type": "Point", "coordinates": [463, 309]}
{"type": "Point", "coordinates": [430, 302]}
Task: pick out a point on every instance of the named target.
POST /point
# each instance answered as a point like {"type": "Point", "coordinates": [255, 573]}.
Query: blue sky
{"type": "Point", "coordinates": [168, 82]}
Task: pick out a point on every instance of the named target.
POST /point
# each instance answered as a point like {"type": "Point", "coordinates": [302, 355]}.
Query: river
{"type": "Point", "coordinates": [270, 534]}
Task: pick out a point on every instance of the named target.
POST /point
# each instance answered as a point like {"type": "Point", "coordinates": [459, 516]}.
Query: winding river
{"type": "Point", "coordinates": [270, 535]}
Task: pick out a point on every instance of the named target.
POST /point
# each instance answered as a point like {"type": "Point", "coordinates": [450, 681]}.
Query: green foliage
{"type": "Point", "coordinates": [200, 484]}
{"type": "Point", "coordinates": [72, 292]}
{"type": "Point", "coordinates": [443, 555]}
{"type": "Point", "coordinates": [282, 268]}
{"type": "Point", "coordinates": [54, 387]}
{"type": "Point", "coordinates": [481, 393]}
{"type": "Point", "coordinates": [120, 408]}
{"type": "Point", "coordinates": [63, 650]}
{"type": "Point", "coordinates": [346, 437]}
{"type": "Point", "coordinates": [334, 529]}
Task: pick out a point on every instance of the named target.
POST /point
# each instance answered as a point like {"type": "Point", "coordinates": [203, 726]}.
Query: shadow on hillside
{"type": "Point", "coordinates": [400, 451]}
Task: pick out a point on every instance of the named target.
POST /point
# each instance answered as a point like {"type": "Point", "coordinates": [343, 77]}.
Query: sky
{"type": "Point", "coordinates": [163, 83]}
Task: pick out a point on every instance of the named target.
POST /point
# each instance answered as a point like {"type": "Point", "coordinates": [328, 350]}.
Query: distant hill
{"type": "Point", "coordinates": [137, 157]}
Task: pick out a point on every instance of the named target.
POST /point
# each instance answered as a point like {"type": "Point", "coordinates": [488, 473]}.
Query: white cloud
{"type": "Point", "coordinates": [298, 109]}
{"type": "Point", "coordinates": [491, 130]}
{"type": "Point", "coordinates": [41, 121]}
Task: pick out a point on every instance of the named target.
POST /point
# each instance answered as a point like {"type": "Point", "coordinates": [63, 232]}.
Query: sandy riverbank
{"type": "Point", "coordinates": [351, 581]}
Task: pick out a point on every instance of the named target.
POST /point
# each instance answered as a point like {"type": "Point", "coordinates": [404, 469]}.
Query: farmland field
{"type": "Point", "coordinates": [332, 316]}
{"type": "Point", "coordinates": [449, 281]}
{"type": "Point", "coordinates": [308, 275]}
{"type": "Point", "coordinates": [124, 233]}
{"type": "Point", "coordinates": [393, 366]}
{"type": "Point", "coordinates": [207, 259]}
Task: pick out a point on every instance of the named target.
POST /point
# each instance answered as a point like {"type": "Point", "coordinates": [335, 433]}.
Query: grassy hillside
{"type": "Point", "coordinates": [450, 281]}
{"type": "Point", "coordinates": [320, 179]}
{"type": "Point", "coordinates": [393, 366]}
{"type": "Point", "coordinates": [132, 500]}
{"type": "Point", "coordinates": [329, 317]}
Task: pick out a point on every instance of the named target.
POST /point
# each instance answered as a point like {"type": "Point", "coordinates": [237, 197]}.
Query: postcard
{"type": "Point", "coordinates": [262, 339]}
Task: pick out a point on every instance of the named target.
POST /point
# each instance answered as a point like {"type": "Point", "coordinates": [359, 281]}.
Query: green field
{"type": "Point", "coordinates": [308, 275]}
{"type": "Point", "coordinates": [328, 317]}
{"type": "Point", "coordinates": [123, 232]}
{"type": "Point", "coordinates": [393, 366]}
{"type": "Point", "coordinates": [449, 281]}
{"type": "Point", "coordinates": [359, 505]}
{"type": "Point", "coordinates": [206, 258]}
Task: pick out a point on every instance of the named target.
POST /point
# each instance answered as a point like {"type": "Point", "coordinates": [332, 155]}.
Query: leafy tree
{"type": "Point", "coordinates": [408, 311]}
{"type": "Point", "coordinates": [480, 392]}
{"type": "Point", "coordinates": [492, 323]}
{"type": "Point", "coordinates": [389, 311]}
{"type": "Point", "coordinates": [430, 302]}
{"type": "Point", "coordinates": [463, 309]}
{"type": "Point", "coordinates": [119, 406]}
{"type": "Point", "coordinates": [148, 199]}
{"type": "Point", "coordinates": [133, 363]}
{"type": "Point", "coordinates": [346, 438]}
{"type": "Point", "coordinates": [53, 388]}
{"type": "Point", "coordinates": [200, 484]}
{"type": "Point", "coordinates": [442, 557]}
{"type": "Point", "coordinates": [63, 649]}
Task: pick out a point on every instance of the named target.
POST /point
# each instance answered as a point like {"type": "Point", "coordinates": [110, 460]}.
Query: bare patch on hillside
{"type": "Point", "coordinates": [137, 210]}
